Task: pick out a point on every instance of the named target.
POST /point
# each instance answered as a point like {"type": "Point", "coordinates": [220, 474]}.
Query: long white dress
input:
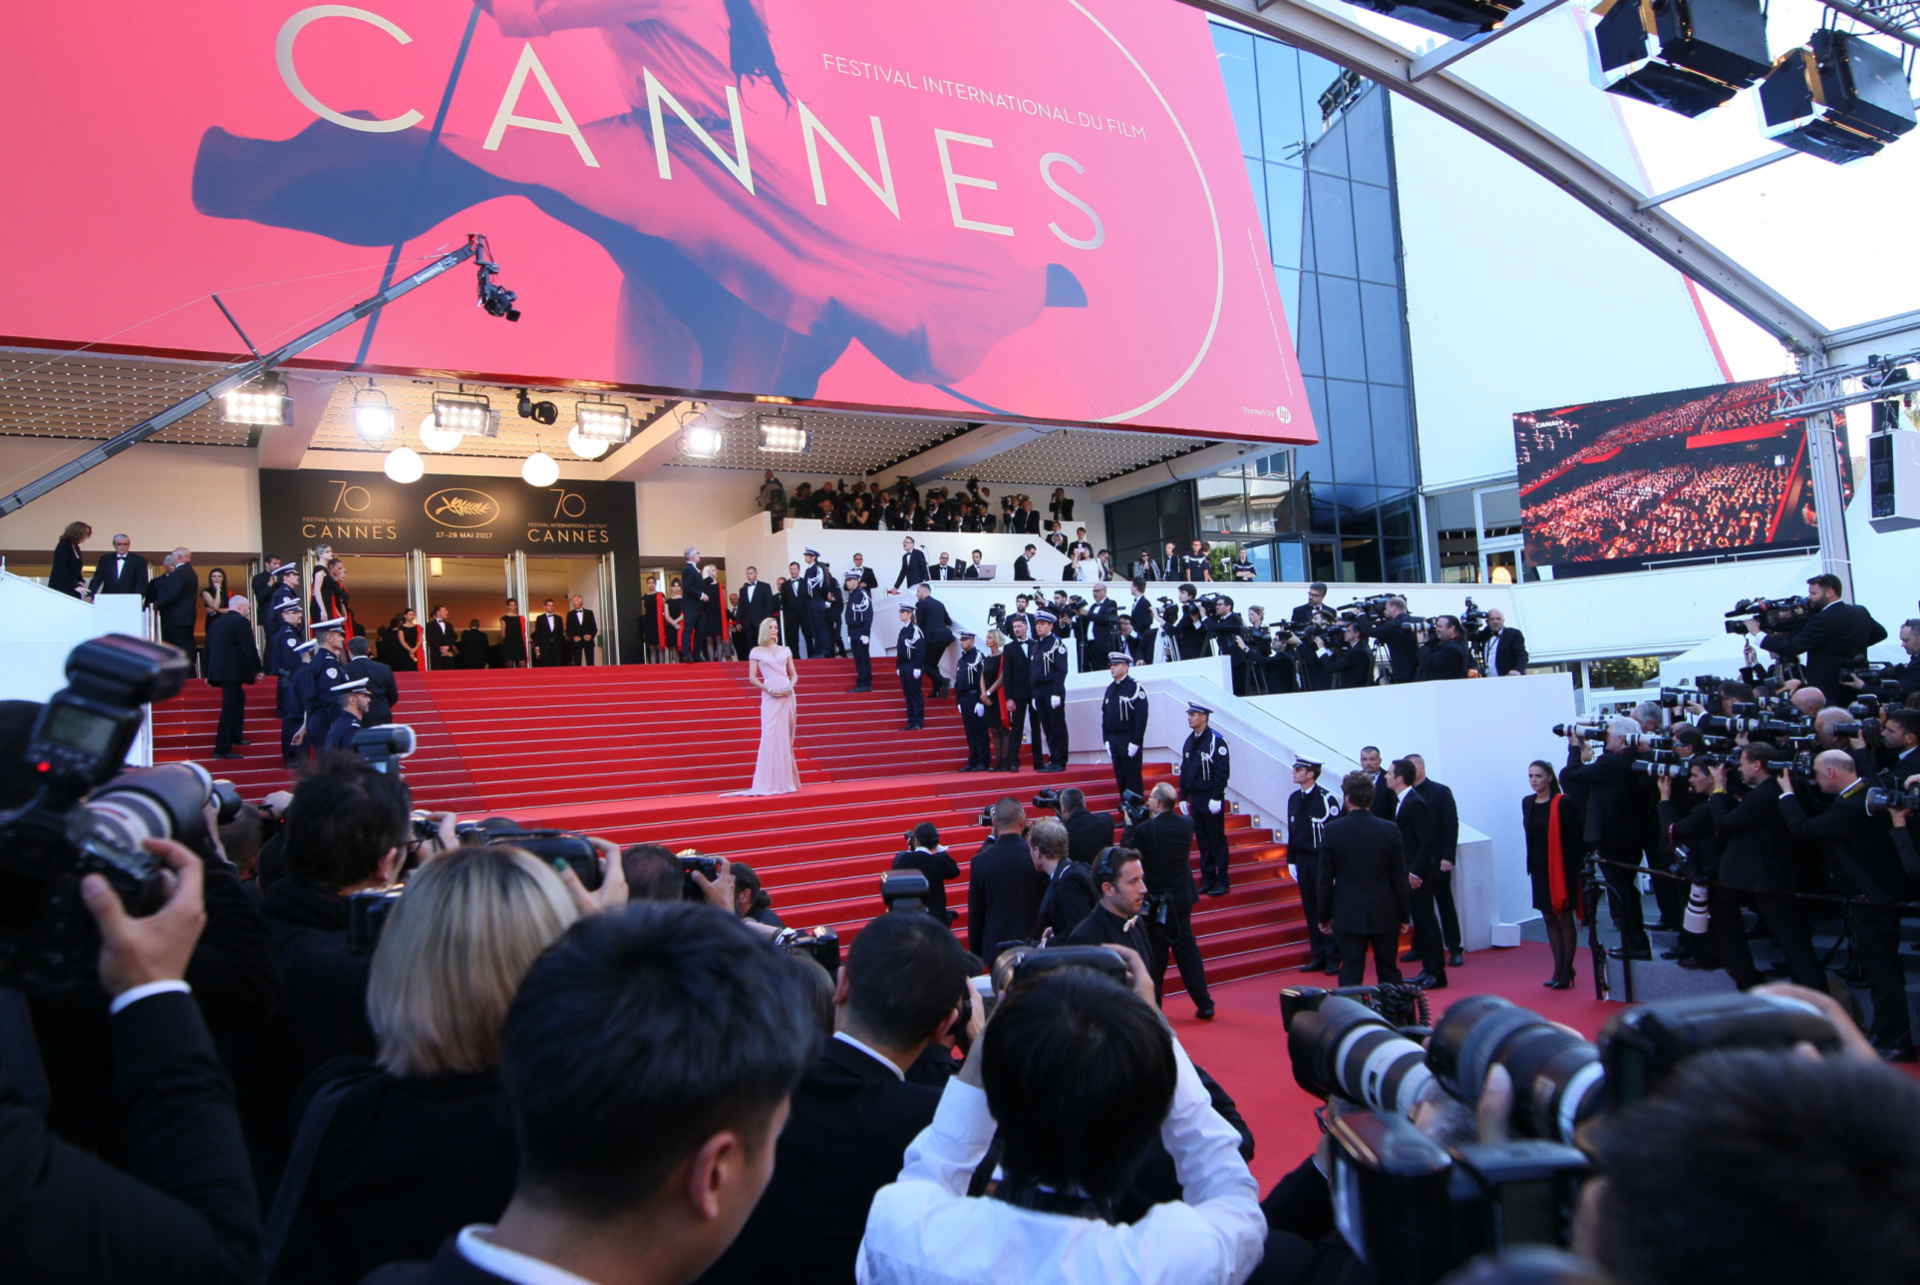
{"type": "Point", "coordinates": [774, 771]}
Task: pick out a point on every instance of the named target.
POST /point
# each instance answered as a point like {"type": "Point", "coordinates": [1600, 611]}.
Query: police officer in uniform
{"type": "Point", "coordinates": [1016, 676]}
{"type": "Point", "coordinates": [351, 695]}
{"type": "Point", "coordinates": [859, 614]}
{"type": "Point", "coordinates": [1049, 667]}
{"type": "Point", "coordinates": [1309, 808]}
{"type": "Point", "coordinates": [968, 673]}
{"type": "Point", "coordinates": [909, 658]}
{"type": "Point", "coordinates": [1123, 723]}
{"type": "Point", "coordinates": [327, 668]}
{"type": "Point", "coordinates": [1204, 769]}
{"type": "Point", "coordinates": [295, 691]}
{"type": "Point", "coordinates": [816, 593]}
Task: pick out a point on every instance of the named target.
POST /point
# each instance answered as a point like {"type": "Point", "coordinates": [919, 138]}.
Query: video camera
{"type": "Point", "coordinates": [1776, 615]}
{"type": "Point", "coordinates": [1884, 800]}
{"type": "Point", "coordinates": [90, 818]}
{"type": "Point", "coordinates": [1413, 1209]}
{"type": "Point", "coordinates": [1133, 807]}
{"type": "Point", "coordinates": [384, 746]}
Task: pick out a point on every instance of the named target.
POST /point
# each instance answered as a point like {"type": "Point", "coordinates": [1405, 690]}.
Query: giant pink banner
{"type": "Point", "coordinates": [1026, 209]}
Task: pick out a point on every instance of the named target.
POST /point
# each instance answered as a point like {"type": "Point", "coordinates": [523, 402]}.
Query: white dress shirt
{"type": "Point", "coordinates": [872, 1052]}
{"type": "Point", "coordinates": [511, 1265]}
{"type": "Point", "coordinates": [925, 1230]}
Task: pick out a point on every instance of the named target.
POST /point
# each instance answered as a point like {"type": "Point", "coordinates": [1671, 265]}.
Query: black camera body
{"type": "Point", "coordinates": [1883, 800]}
{"type": "Point", "coordinates": [1133, 807]}
{"type": "Point", "coordinates": [693, 866]}
{"type": "Point", "coordinates": [1776, 615]}
{"type": "Point", "coordinates": [549, 846]}
{"type": "Point", "coordinates": [904, 890]}
{"type": "Point", "coordinates": [821, 945]}
{"type": "Point", "coordinates": [384, 746]}
{"type": "Point", "coordinates": [367, 917]}
{"type": "Point", "coordinates": [89, 817]}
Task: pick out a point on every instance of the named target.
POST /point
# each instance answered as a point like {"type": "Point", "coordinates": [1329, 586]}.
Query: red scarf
{"type": "Point", "coordinates": [1559, 895]}
{"type": "Point", "coordinates": [660, 616]}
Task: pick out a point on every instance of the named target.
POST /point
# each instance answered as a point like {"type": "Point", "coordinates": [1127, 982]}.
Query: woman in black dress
{"type": "Point", "coordinates": [994, 696]}
{"type": "Point", "coordinates": [213, 604]}
{"type": "Point", "coordinates": [676, 609]}
{"type": "Point", "coordinates": [1552, 824]}
{"type": "Point", "coordinates": [408, 631]}
{"type": "Point", "coordinates": [650, 645]}
{"type": "Point", "coordinates": [513, 637]}
{"type": "Point", "coordinates": [69, 574]}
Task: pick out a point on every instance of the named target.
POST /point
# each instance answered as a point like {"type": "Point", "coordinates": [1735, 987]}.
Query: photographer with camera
{"type": "Point", "coordinates": [1899, 745]}
{"type": "Point", "coordinates": [1506, 649]}
{"type": "Point", "coordinates": [1757, 858]}
{"type": "Point", "coordinates": [1857, 850]}
{"type": "Point", "coordinates": [1070, 895]}
{"type": "Point", "coordinates": [1164, 840]}
{"type": "Point", "coordinates": [855, 1111]}
{"type": "Point", "coordinates": [1123, 723]}
{"type": "Point", "coordinates": [1835, 636]}
{"type": "Point", "coordinates": [1395, 632]}
{"type": "Point", "coordinates": [1447, 656]}
{"type": "Point", "coordinates": [1309, 808]}
{"type": "Point", "coordinates": [1087, 832]}
{"type": "Point", "coordinates": [1692, 839]}
{"type": "Point", "coordinates": [1077, 1076]}
{"type": "Point", "coordinates": [1182, 621]}
{"type": "Point", "coordinates": [926, 854]}
{"type": "Point", "coordinates": [1003, 888]}
{"type": "Point", "coordinates": [180, 1205]}
{"type": "Point", "coordinates": [1609, 800]}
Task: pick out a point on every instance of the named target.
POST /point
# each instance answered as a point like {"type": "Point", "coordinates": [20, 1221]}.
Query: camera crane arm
{"type": "Point", "coordinates": [476, 247]}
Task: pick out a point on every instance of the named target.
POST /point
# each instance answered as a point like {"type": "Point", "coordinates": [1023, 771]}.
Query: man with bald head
{"type": "Point", "coordinates": [1857, 849]}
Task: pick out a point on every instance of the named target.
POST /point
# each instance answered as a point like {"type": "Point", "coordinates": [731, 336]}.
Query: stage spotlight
{"type": "Point", "coordinates": [587, 448]}
{"type": "Point", "coordinates": [702, 440]}
{"type": "Point", "coordinates": [1687, 56]}
{"type": "Point", "coordinates": [538, 412]}
{"type": "Point", "coordinates": [539, 469]}
{"type": "Point", "coordinates": [404, 465]}
{"type": "Point", "coordinates": [264, 402]}
{"type": "Point", "coordinates": [1836, 97]}
{"type": "Point", "coordinates": [784, 435]}
{"type": "Point", "coordinates": [468, 414]}
{"type": "Point", "coordinates": [1456, 18]}
{"type": "Point", "coordinates": [602, 421]}
{"type": "Point", "coordinates": [372, 415]}
{"type": "Point", "coordinates": [438, 439]}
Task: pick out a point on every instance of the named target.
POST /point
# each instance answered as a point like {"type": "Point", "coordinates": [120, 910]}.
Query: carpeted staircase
{"type": "Point", "coordinates": [646, 753]}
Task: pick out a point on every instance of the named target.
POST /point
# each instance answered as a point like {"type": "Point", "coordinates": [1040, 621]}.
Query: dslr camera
{"type": "Point", "coordinates": [1776, 615]}
{"type": "Point", "coordinates": [1133, 807]}
{"type": "Point", "coordinates": [90, 818]}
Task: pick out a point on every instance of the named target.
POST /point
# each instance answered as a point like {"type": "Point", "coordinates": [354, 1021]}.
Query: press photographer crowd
{"type": "Point", "coordinates": [327, 1037]}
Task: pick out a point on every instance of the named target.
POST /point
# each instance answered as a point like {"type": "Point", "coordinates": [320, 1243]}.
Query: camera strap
{"type": "Point", "coordinates": [1045, 1200]}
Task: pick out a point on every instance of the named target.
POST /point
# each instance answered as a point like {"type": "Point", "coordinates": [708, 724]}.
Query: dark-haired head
{"type": "Point", "coordinates": [901, 981]}
{"type": "Point", "coordinates": [1079, 1075]}
{"type": "Point", "coordinates": [344, 818]}
{"type": "Point", "coordinates": [653, 873]}
{"type": "Point", "coordinates": [1553, 778]}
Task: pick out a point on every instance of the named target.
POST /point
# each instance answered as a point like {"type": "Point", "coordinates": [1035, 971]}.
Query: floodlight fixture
{"type": "Point", "coordinates": [1688, 56]}
{"type": "Point", "coordinates": [602, 421]}
{"type": "Point", "coordinates": [1836, 97]}
{"type": "Point", "coordinates": [373, 415]}
{"type": "Point", "coordinates": [702, 440]}
{"type": "Point", "coordinates": [784, 435]}
{"type": "Point", "coordinates": [468, 414]}
{"type": "Point", "coordinates": [265, 401]}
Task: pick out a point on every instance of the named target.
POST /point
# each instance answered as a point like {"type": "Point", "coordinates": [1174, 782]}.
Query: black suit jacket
{"type": "Point", "coordinates": [1447, 660]}
{"type": "Point", "coordinates": [132, 578]}
{"type": "Point", "coordinates": [1087, 833]}
{"type": "Point", "coordinates": [440, 633]}
{"type": "Point", "coordinates": [69, 574]}
{"type": "Point", "coordinates": [1605, 786]}
{"type": "Point", "coordinates": [1857, 848]}
{"type": "Point", "coordinates": [1363, 874]}
{"type": "Point", "coordinates": [756, 604]}
{"type": "Point", "coordinates": [938, 867]}
{"type": "Point", "coordinates": [1021, 571]}
{"type": "Point", "coordinates": [1003, 896]}
{"type": "Point", "coordinates": [1165, 842]}
{"type": "Point", "coordinates": [548, 632]}
{"type": "Point", "coordinates": [177, 597]}
{"type": "Point", "coordinates": [1069, 899]}
{"type": "Point", "coordinates": [180, 1207]}
{"type": "Point", "coordinates": [1756, 848]}
{"type": "Point", "coordinates": [931, 615]}
{"type": "Point", "coordinates": [1419, 835]}
{"type": "Point", "coordinates": [1834, 637]}
{"type": "Point", "coordinates": [382, 692]}
{"type": "Point", "coordinates": [1403, 649]}
{"type": "Point", "coordinates": [913, 569]}
{"type": "Point", "coordinates": [948, 572]}
{"type": "Point", "coordinates": [846, 1138]}
{"type": "Point", "coordinates": [1446, 816]}
{"type": "Point", "coordinates": [580, 625]}
{"type": "Point", "coordinates": [1510, 656]}
{"type": "Point", "coordinates": [232, 656]}
{"type": "Point", "coordinates": [1383, 801]}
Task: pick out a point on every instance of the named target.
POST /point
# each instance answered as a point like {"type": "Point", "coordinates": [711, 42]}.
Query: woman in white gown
{"type": "Point", "coordinates": [770, 668]}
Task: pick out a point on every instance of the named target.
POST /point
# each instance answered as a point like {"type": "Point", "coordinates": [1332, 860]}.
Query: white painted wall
{"type": "Point", "coordinates": [205, 497]}
{"type": "Point", "coordinates": [38, 627]}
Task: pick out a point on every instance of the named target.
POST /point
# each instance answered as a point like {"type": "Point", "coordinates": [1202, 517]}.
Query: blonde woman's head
{"type": "Point", "coordinates": [769, 632]}
{"type": "Point", "coordinates": [452, 955]}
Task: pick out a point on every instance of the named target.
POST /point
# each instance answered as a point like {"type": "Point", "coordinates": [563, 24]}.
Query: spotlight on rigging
{"type": "Point", "coordinates": [265, 401]}
{"type": "Point", "coordinates": [1456, 18]}
{"type": "Point", "coordinates": [1687, 56]}
{"type": "Point", "coordinates": [538, 412]}
{"type": "Point", "coordinates": [602, 421]}
{"type": "Point", "coordinates": [702, 440]}
{"type": "Point", "coordinates": [784, 435]}
{"type": "Point", "coordinates": [468, 414]}
{"type": "Point", "coordinates": [372, 414]}
{"type": "Point", "coordinates": [1836, 97]}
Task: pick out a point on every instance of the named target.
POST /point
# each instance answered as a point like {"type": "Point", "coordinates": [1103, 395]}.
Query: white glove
{"type": "Point", "coordinates": [916, 673]}
{"type": "Point", "coordinates": [1293, 872]}
{"type": "Point", "coordinates": [1132, 750]}
{"type": "Point", "coordinates": [979, 711]}
{"type": "Point", "coordinates": [1056, 702]}
{"type": "Point", "coordinates": [1213, 805]}
{"type": "Point", "coordinates": [863, 642]}
{"type": "Point", "coordinates": [1186, 809]}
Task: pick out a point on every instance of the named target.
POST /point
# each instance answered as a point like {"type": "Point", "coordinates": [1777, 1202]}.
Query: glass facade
{"type": "Point", "coordinates": [1319, 154]}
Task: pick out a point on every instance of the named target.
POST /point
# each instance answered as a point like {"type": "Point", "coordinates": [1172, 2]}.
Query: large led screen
{"type": "Point", "coordinates": [1618, 485]}
{"type": "Point", "coordinates": [1029, 209]}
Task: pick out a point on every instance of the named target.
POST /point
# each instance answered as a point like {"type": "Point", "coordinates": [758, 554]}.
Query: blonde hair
{"type": "Point", "coordinates": [769, 632]}
{"type": "Point", "coordinates": [452, 955]}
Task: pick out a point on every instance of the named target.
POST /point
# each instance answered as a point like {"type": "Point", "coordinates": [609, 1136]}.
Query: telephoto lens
{"type": "Point", "coordinates": [1557, 1077]}
{"type": "Point", "coordinates": [1343, 1049]}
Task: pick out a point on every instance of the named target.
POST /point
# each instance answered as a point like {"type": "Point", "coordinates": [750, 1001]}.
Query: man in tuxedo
{"type": "Point", "coordinates": [383, 693]}
{"type": "Point", "coordinates": [1446, 818]}
{"type": "Point", "coordinates": [1003, 888]}
{"type": "Point", "coordinates": [976, 569]}
{"type": "Point", "coordinates": [1070, 894]}
{"type": "Point", "coordinates": [944, 569]}
{"type": "Point", "coordinates": [1103, 620]}
{"type": "Point", "coordinates": [1144, 620]}
{"type": "Point", "coordinates": [1164, 841]}
{"type": "Point", "coordinates": [854, 1113]}
{"type": "Point", "coordinates": [233, 662]}
{"type": "Point", "coordinates": [583, 632]}
{"type": "Point", "coordinates": [931, 615]}
{"type": "Point", "coordinates": [549, 641]}
{"type": "Point", "coordinates": [1023, 566]}
{"type": "Point", "coordinates": [442, 644]}
{"type": "Point", "coordinates": [1027, 520]}
{"type": "Point", "coordinates": [124, 571]}
{"type": "Point", "coordinates": [868, 580]}
{"type": "Point", "coordinates": [693, 592]}
{"type": "Point", "coordinates": [1080, 544]}
{"type": "Point", "coordinates": [1614, 822]}
{"type": "Point", "coordinates": [756, 603]}
{"type": "Point", "coordinates": [1370, 765]}
{"type": "Point", "coordinates": [177, 598]}
{"type": "Point", "coordinates": [1420, 844]}
{"type": "Point", "coordinates": [1506, 648]}
{"type": "Point", "coordinates": [648, 1063]}
{"type": "Point", "coordinates": [1835, 637]}
{"type": "Point", "coordinates": [1087, 832]}
{"type": "Point", "coordinates": [1316, 595]}
{"type": "Point", "coordinates": [793, 610]}
{"type": "Point", "coordinates": [913, 567]}
{"type": "Point", "coordinates": [1365, 894]}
